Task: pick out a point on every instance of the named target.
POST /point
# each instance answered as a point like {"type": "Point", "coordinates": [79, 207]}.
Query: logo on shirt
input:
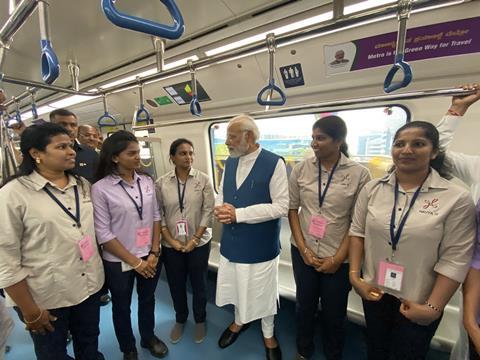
{"type": "Point", "coordinates": [430, 207]}
{"type": "Point", "coordinates": [197, 186]}
{"type": "Point", "coordinates": [346, 180]}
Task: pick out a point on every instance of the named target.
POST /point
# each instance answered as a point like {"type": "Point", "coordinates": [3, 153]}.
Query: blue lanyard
{"type": "Point", "coordinates": [139, 208]}
{"type": "Point", "coordinates": [75, 217]}
{"type": "Point", "coordinates": [321, 197]}
{"type": "Point", "coordinates": [395, 237]}
{"type": "Point", "coordinates": [181, 196]}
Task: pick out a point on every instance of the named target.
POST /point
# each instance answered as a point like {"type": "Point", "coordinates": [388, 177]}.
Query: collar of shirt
{"type": "Point", "coordinates": [117, 179]}
{"type": "Point", "coordinates": [38, 182]}
{"type": "Point", "coordinates": [343, 160]}
{"type": "Point", "coordinates": [250, 157]}
{"type": "Point", "coordinates": [173, 175]}
{"type": "Point", "coordinates": [433, 181]}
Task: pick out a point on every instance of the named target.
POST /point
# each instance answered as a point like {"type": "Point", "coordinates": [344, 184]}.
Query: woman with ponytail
{"type": "Point", "coordinates": [323, 190]}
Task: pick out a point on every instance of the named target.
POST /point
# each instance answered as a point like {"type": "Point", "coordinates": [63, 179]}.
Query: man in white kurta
{"type": "Point", "coordinates": [464, 167]}
{"type": "Point", "coordinates": [251, 286]}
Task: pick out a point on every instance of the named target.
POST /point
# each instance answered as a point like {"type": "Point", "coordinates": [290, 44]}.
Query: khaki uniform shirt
{"type": "Point", "coordinates": [39, 242]}
{"type": "Point", "coordinates": [198, 204]}
{"type": "Point", "coordinates": [438, 236]}
{"type": "Point", "coordinates": [347, 181]}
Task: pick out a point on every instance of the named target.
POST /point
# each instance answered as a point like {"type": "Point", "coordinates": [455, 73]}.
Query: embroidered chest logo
{"type": "Point", "coordinates": [346, 180]}
{"type": "Point", "coordinates": [197, 186]}
{"type": "Point", "coordinates": [430, 206]}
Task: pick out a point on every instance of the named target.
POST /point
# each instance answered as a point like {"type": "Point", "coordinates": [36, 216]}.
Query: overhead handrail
{"type": "Point", "coordinates": [74, 71]}
{"type": "Point", "coordinates": [50, 65]}
{"type": "Point", "coordinates": [297, 35]}
{"type": "Point", "coordinates": [111, 121]}
{"type": "Point", "coordinates": [322, 106]}
{"type": "Point", "coordinates": [142, 114]}
{"type": "Point", "coordinates": [271, 87]}
{"type": "Point", "coordinates": [404, 9]}
{"type": "Point", "coordinates": [195, 107]}
{"type": "Point", "coordinates": [134, 23]}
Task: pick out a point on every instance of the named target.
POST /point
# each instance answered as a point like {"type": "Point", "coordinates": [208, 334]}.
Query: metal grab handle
{"type": "Point", "coordinates": [141, 108]}
{"type": "Point", "coordinates": [195, 107]}
{"type": "Point", "coordinates": [49, 60]}
{"type": "Point", "coordinates": [404, 8]}
{"type": "Point", "coordinates": [134, 23]}
{"type": "Point", "coordinates": [34, 104]}
{"type": "Point", "coordinates": [271, 82]}
{"type": "Point", "coordinates": [106, 116]}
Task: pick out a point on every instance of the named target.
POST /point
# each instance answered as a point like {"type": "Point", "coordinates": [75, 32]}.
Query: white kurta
{"type": "Point", "coordinates": [253, 288]}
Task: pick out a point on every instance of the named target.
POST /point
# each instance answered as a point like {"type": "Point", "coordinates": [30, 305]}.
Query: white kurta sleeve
{"type": "Point", "coordinates": [278, 192]}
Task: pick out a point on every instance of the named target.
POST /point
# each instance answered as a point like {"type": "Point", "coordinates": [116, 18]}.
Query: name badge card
{"type": "Point", "coordinates": [144, 237]}
{"type": "Point", "coordinates": [390, 275]}
{"type": "Point", "coordinates": [181, 227]}
{"type": "Point", "coordinates": [318, 226]}
{"type": "Point", "coordinates": [86, 248]}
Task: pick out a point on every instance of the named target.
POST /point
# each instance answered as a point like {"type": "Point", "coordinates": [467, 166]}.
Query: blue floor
{"type": "Point", "coordinates": [249, 346]}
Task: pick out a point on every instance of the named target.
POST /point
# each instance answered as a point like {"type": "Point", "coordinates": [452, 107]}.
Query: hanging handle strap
{"type": "Point", "coordinates": [106, 119]}
{"type": "Point", "coordinates": [34, 104]}
{"type": "Point", "coordinates": [142, 114]}
{"type": "Point", "coordinates": [195, 107]}
{"type": "Point", "coordinates": [404, 8]}
{"type": "Point", "coordinates": [271, 87]}
{"type": "Point", "coordinates": [145, 26]}
{"type": "Point", "coordinates": [49, 60]}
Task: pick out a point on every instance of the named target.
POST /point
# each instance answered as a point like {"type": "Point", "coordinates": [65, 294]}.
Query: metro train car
{"type": "Point", "coordinates": [183, 69]}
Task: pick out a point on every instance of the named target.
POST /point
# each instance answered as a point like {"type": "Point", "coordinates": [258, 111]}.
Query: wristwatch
{"type": "Point", "coordinates": [156, 253]}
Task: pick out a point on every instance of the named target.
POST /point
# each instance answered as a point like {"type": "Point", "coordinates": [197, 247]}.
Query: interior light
{"type": "Point", "coordinates": [364, 5]}
{"type": "Point", "coordinates": [278, 31]}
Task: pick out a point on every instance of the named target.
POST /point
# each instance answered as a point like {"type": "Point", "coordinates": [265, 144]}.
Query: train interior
{"type": "Point", "coordinates": [325, 56]}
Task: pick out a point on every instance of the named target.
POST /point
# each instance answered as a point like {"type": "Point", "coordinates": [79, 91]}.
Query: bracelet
{"type": "Point", "coordinates": [453, 112]}
{"type": "Point", "coordinates": [433, 307]}
{"type": "Point", "coordinates": [34, 321]}
{"type": "Point", "coordinates": [354, 271]}
{"type": "Point", "coordinates": [196, 237]}
{"type": "Point", "coordinates": [140, 263]}
{"type": "Point", "coordinates": [305, 251]}
{"type": "Point", "coordinates": [333, 261]}
{"type": "Point", "coordinates": [195, 241]}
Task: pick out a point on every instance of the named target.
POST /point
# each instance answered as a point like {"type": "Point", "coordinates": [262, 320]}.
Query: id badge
{"type": "Point", "coordinates": [390, 275]}
{"type": "Point", "coordinates": [86, 248]}
{"type": "Point", "coordinates": [181, 228]}
{"type": "Point", "coordinates": [126, 267]}
{"type": "Point", "coordinates": [143, 237]}
{"type": "Point", "coordinates": [318, 226]}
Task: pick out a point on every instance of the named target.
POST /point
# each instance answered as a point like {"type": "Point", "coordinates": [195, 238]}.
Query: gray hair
{"type": "Point", "coordinates": [247, 123]}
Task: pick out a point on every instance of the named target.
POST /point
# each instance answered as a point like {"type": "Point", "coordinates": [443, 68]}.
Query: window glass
{"type": "Point", "coordinates": [369, 139]}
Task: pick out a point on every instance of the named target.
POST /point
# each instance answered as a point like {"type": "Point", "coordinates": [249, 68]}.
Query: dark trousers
{"type": "Point", "coordinates": [121, 285]}
{"type": "Point", "coordinates": [390, 335]}
{"type": "Point", "coordinates": [473, 352]}
{"type": "Point", "coordinates": [82, 321]}
{"type": "Point", "coordinates": [332, 290]}
{"type": "Point", "coordinates": [193, 265]}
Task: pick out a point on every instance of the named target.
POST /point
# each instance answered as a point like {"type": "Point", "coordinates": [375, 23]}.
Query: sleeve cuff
{"type": "Point", "coordinates": [13, 278]}
{"type": "Point", "coordinates": [106, 238]}
{"type": "Point", "coordinates": [240, 215]}
{"type": "Point", "coordinates": [454, 272]}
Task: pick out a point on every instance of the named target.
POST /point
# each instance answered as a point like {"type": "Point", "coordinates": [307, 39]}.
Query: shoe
{"type": "Point", "coordinates": [7, 349]}
{"type": "Point", "coordinates": [274, 354]}
{"type": "Point", "coordinates": [156, 347]}
{"type": "Point", "coordinates": [105, 299]}
{"type": "Point", "coordinates": [200, 332]}
{"type": "Point", "coordinates": [132, 355]}
{"type": "Point", "coordinates": [300, 357]}
{"type": "Point", "coordinates": [176, 333]}
{"type": "Point", "coordinates": [100, 356]}
{"type": "Point", "coordinates": [229, 337]}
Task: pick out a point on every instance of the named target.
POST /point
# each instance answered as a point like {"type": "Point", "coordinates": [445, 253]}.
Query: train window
{"type": "Point", "coordinates": [370, 134]}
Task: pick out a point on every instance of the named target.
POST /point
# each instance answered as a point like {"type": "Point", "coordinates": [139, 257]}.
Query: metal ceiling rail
{"type": "Point", "coordinates": [285, 39]}
{"type": "Point", "coordinates": [321, 106]}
